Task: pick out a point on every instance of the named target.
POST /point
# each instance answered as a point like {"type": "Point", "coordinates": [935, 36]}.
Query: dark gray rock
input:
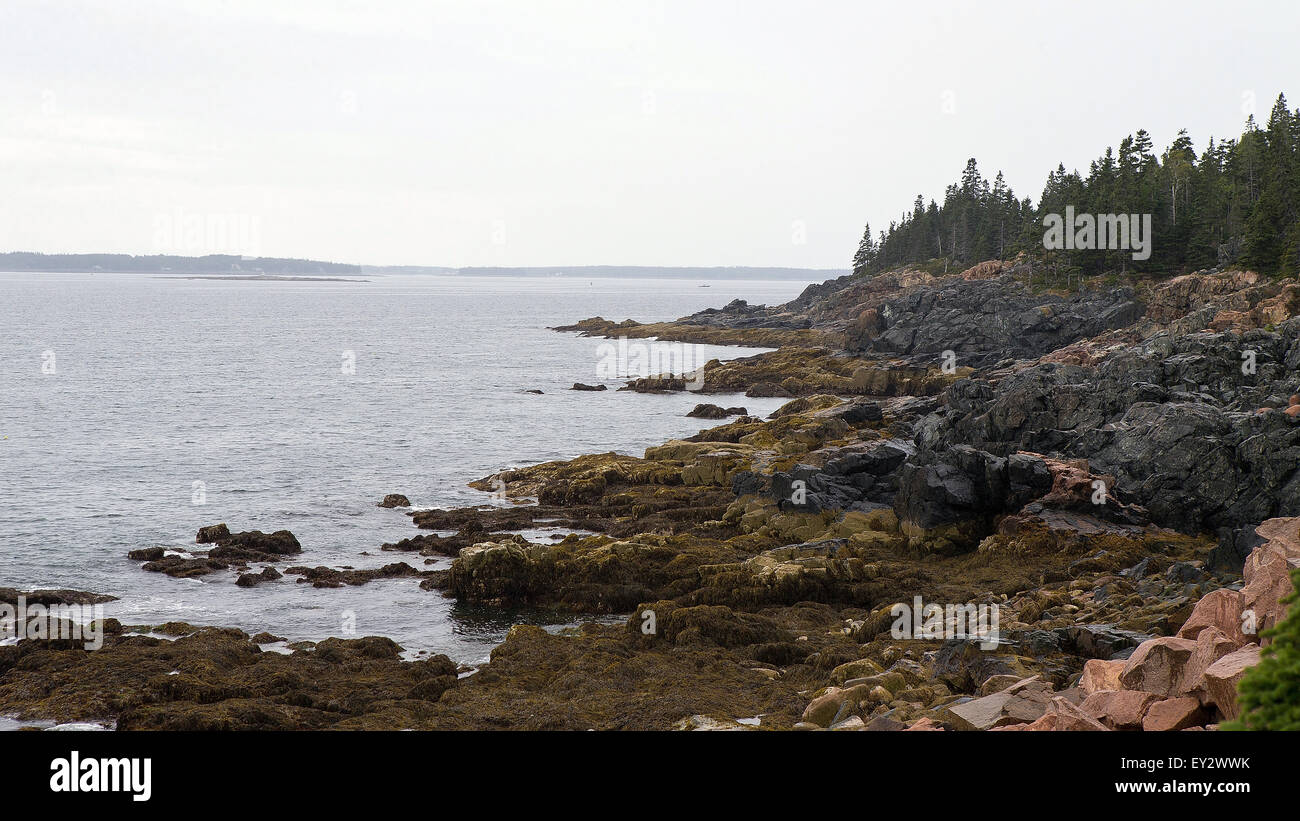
{"type": "Point", "coordinates": [1097, 641]}
{"type": "Point", "coordinates": [986, 321]}
{"type": "Point", "coordinates": [1174, 419]}
{"type": "Point", "coordinates": [858, 477]}
{"type": "Point", "coordinates": [962, 485]}
{"type": "Point", "coordinates": [1235, 544]}
{"type": "Point", "coordinates": [859, 413]}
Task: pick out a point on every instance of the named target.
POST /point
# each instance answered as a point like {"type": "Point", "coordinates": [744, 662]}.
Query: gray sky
{"type": "Point", "coordinates": [535, 132]}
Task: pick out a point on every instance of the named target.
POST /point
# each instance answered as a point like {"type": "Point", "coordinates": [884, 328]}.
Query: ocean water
{"type": "Point", "coordinates": [136, 408]}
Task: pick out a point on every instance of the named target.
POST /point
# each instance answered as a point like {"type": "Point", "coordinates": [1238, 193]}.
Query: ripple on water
{"type": "Point", "coordinates": [164, 383]}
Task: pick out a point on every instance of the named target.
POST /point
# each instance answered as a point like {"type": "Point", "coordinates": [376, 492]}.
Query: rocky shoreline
{"type": "Point", "coordinates": [1112, 472]}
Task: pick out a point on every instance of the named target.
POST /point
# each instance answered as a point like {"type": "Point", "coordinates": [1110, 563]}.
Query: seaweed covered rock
{"type": "Point", "coordinates": [268, 574]}
{"type": "Point", "coordinates": [716, 625]}
{"type": "Point", "coordinates": [709, 411]}
{"type": "Point", "coordinates": [609, 678]}
{"type": "Point", "coordinates": [331, 577]}
{"type": "Point", "coordinates": [235, 550]}
{"type": "Point", "coordinates": [254, 544]}
{"type": "Point", "coordinates": [212, 533]}
{"type": "Point", "coordinates": [825, 571]}
{"type": "Point", "coordinates": [219, 679]}
{"type": "Point", "coordinates": [595, 574]}
{"type": "Point", "coordinates": [51, 598]}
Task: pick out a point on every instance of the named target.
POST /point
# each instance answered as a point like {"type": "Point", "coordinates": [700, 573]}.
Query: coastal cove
{"type": "Point", "coordinates": [239, 385]}
{"type": "Point", "coordinates": [973, 505]}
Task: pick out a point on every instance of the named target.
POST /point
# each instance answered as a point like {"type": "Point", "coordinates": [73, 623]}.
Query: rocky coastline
{"type": "Point", "coordinates": [1111, 471]}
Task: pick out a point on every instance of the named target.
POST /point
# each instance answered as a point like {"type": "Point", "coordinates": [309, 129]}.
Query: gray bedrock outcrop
{"type": "Point", "coordinates": [987, 321]}
{"type": "Point", "coordinates": [1185, 429]}
{"type": "Point", "coordinates": [1193, 427]}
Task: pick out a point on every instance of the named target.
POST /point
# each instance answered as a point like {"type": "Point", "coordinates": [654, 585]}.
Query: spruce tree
{"type": "Point", "coordinates": [866, 252]}
{"type": "Point", "coordinates": [1238, 203]}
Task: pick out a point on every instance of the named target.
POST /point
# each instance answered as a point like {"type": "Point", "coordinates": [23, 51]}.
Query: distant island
{"type": "Point", "coordinates": [168, 264]}
{"type": "Point", "coordinates": [230, 264]}
{"type": "Point", "coordinates": [648, 271]}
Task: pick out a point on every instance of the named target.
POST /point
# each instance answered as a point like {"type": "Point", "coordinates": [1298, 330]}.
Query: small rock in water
{"type": "Point", "coordinates": [212, 533]}
{"type": "Point", "coordinates": [710, 411]}
{"type": "Point", "coordinates": [253, 579]}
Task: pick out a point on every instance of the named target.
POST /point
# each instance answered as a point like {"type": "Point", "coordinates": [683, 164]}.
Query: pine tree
{"type": "Point", "coordinates": [866, 253]}
{"type": "Point", "coordinates": [1272, 220]}
{"type": "Point", "coordinates": [1237, 203]}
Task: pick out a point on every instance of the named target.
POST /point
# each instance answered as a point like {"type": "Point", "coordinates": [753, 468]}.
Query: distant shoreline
{"type": "Point", "coordinates": [231, 266]}
{"type": "Point", "coordinates": [574, 274]}
{"type": "Point", "coordinates": [255, 277]}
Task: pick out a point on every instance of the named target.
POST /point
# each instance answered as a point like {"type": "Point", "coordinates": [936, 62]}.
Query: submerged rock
{"type": "Point", "coordinates": [225, 682]}
{"type": "Point", "coordinates": [330, 577]}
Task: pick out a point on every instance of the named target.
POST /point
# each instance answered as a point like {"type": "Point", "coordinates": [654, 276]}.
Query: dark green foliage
{"type": "Point", "coordinates": [1269, 693]}
{"type": "Point", "coordinates": [1236, 203]}
{"type": "Point", "coordinates": [866, 253]}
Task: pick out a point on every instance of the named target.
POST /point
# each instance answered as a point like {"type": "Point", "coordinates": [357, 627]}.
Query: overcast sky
{"type": "Point", "coordinates": [538, 132]}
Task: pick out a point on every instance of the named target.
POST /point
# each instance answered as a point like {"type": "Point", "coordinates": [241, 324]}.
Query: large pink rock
{"type": "Point", "coordinates": [1100, 674]}
{"type": "Point", "coordinates": [1063, 715]}
{"type": "Point", "coordinates": [1218, 685]}
{"type": "Point", "coordinates": [1119, 709]}
{"type": "Point", "coordinates": [1156, 666]}
{"type": "Point", "coordinates": [924, 725]}
{"type": "Point", "coordinates": [1021, 703]}
{"type": "Point", "coordinates": [1219, 608]}
{"type": "Point", "coordinates": [1268, 580]}
{"type": "Point", "coordinates": [1171, 666]}
{"type": "Point", "coordinates": [1072, 483]}
{"type": "Point", "coordinates": [1174, 714]}
{"type": "Point", "coordinates": [1282, 532]}
{"type": "Point", "coordinates": [1211, 645]}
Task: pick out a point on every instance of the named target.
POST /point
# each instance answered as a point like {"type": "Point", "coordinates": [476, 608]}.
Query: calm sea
{"type": "Point", "coordinates": [135, 409]}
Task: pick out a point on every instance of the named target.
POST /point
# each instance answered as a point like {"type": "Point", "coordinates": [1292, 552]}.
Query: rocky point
{"type": "Point", "coordinates": [1112, 470]}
